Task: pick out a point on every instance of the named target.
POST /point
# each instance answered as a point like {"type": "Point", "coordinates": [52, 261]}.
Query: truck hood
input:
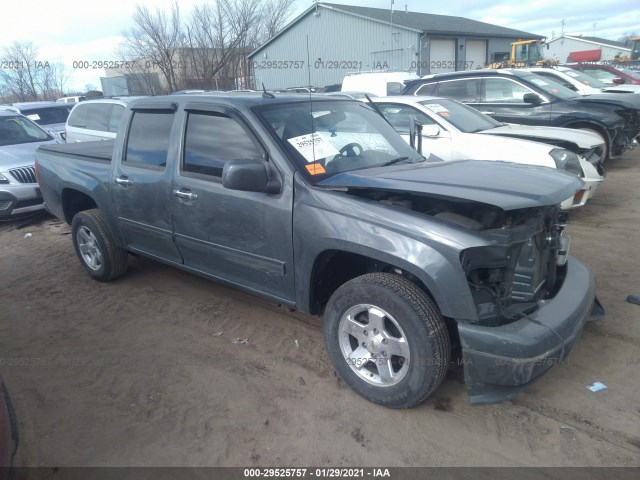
{"type": "Point", "coordinates": [504, 185]}
{"type": "Point", "coordinates": [581, 138]}
{"type": "Point", "coordinates": [21, 155]}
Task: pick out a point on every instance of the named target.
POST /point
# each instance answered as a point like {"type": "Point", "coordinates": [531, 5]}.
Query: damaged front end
{"type": "Point", "coordinates": [523, 265]}
{"type": "Point", "coordinates": [631, 129]}
{"type": "Point", "coordinates": [532, 301]}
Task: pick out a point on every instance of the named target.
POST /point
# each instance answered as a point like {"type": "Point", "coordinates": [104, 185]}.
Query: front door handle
{"type": "Point", "coordinates": [489, 113]}
{"type": "Point", "coordinates": [124, 181]}
{"type": "Point", "coordinates": [185, 194]}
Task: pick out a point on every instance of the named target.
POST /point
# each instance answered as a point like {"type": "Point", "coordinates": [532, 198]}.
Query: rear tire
{"type": "Point", "coordinates": [386, 339]}
{"type": "Point", "coordinates": [102, 259]}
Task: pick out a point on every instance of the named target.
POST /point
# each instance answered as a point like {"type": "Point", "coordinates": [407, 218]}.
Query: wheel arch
{"type": "Point", "coordinates": [332, 267]}
{"type": "Point", "coordinates": [75, 201]}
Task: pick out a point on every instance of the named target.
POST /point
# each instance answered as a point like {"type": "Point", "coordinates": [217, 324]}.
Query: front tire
{"type": "Point", "coordinates": [386, 339]}
{"type": "Point", "coordinates": [100, 256]}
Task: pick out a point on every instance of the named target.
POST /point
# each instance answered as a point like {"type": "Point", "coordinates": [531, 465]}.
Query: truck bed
{"type": "Point", "coordinates": [100, 150]}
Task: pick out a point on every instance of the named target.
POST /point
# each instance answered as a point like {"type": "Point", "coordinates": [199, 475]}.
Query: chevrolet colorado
{"type": "Point", "coordinates": [318, 204]}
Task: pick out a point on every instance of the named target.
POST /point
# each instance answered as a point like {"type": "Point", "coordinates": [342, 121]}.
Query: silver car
{"type": "Point", "coordinates": [19, 140]}
{"type": "Point", "coordinates": [51, 116]}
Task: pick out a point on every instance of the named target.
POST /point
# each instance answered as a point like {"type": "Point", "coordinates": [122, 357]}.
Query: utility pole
{"type": "Point", "coordinates": [391, 23]}
{"type": "Point", "coordinates": [562, 27]}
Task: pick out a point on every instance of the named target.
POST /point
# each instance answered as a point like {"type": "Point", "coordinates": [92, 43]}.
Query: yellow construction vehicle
{"type": "Point", "coordinates": [524, 53]}
{"type": "Point", "coordinates": [635, 52]}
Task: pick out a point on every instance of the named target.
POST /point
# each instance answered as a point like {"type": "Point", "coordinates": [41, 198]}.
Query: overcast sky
{"type": "Point", "coordinates": [77, 30]}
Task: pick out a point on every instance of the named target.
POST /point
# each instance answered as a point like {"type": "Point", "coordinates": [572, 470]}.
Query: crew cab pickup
{"type": "Point", "coordinates": [318, 204]}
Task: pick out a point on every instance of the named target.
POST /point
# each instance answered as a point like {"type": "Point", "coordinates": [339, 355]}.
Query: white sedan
{"type": "Point", "coordinates": [453, 131]}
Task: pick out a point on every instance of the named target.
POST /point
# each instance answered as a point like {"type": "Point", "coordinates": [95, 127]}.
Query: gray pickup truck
{"type": "Point", "coordinates": [318, 204]}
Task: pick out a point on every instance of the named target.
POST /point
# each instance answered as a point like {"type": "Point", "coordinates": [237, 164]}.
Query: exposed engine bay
{"type": "Point", "coordinates": [524, 264]}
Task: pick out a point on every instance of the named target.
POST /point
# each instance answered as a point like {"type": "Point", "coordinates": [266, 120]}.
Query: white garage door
{"type": "Point", "coordinates": [476, 54]}
{"type": "Point", "coordinates": [443, 56]}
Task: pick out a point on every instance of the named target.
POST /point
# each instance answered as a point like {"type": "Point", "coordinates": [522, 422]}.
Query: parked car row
{"type": "Point", "coordinates": [522, 97]}
{"type": "Point", "coordinates": [580, 82]}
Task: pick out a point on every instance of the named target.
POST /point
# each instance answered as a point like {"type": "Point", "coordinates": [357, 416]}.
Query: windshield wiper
{"type": "Point", "coordinates": [394, 161]}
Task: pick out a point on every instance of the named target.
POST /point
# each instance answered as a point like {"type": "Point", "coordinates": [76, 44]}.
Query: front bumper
{"type": "Point", "coordinates": [593, 177]}
{"type": "Point", "coordinates": [18, 199]}
{"type": "Point", "coordinates": [500, 361]}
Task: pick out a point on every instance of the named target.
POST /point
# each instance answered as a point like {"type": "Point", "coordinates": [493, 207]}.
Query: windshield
{"type": "Point", "coordinates": [328, 137]}
{"type": "Point", "coordinates": [550, 87]}
{"type": "Point", "coordinates": [528, 53]}
{"type": "Point", "coordinates": [48, 115]}
{"type": "Point", "coordinates": [16, 130]}
{"type": "Point", "coordinates": [535, 53]}
{"type": "Point", "coordinates": [584, 78]}
{"type": "Point", "coordinates": [464, 118]}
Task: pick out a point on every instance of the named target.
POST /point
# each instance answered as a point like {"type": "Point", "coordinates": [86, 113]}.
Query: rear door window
{"type": "Point", "coordinates": [428, 89]}
{"type": "Point", "coordinates": [94, 116]}
{"type": "Point", "coordinates": [464, 90]}
{"type": "Point", "coordinates": [148, 140]}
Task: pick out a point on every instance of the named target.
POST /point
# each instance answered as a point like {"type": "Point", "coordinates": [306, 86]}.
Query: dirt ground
{"type": "Point", "coordinates": [151, 369]}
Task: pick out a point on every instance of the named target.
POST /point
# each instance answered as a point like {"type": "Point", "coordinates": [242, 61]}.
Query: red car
{"type": "Point", "coordinates": [608, 74]}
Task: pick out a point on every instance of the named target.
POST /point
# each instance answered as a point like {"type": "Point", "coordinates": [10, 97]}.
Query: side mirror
{"type": "Point", "coordinates": [249, 176]}
{"type": "Point", "coordinates": [532, 98]}
{"type": "Point", "coordinates": [618, 81]}
{"type": "Point", "coordinates": [431, 130]}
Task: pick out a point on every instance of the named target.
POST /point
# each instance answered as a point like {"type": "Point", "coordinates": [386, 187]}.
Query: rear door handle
{"type": "Point", "coordinates": [185, 194]}
{"type": "Point", "coordinates": [124, 181]}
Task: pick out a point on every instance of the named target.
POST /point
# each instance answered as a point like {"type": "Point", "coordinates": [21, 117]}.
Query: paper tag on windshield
{"type": "Point", "coordinates": [539, 82]}
{"type": "Point", "coordinates": [313, 146]}
{"type": "Point", "coordinates": [437, 108]}
{"type": "Point", "coordinates": [34, 116]}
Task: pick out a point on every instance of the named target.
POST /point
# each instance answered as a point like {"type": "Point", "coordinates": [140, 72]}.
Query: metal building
{"type": "Point", "coordinates": [327, 41]}
{"type": "Point", "coordinates": [572, 48]}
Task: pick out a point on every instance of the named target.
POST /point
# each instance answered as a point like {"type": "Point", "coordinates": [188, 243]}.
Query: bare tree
{"type": "Point", "coordinates": [21, 78]}
{"type": "Point", "coordinates": [210, 40]}
{"type": "Point", "coordinates": [209, 50]}
{"type": "Point", "coordinates": [626, 38]}
{"type": "Point", "coordinates": [155, 40]}
{"type": "Point", "coordinates": [275, 15]}
{"type": "Point", "coordinates": [52, 80]}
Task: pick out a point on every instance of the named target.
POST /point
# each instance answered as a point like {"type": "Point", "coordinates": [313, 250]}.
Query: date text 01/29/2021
{"type": "Point", "coordinates": [317, 472]}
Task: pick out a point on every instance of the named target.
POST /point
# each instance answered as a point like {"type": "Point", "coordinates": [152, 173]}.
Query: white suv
{"type": "Point", "coordinates": [96, 119]}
